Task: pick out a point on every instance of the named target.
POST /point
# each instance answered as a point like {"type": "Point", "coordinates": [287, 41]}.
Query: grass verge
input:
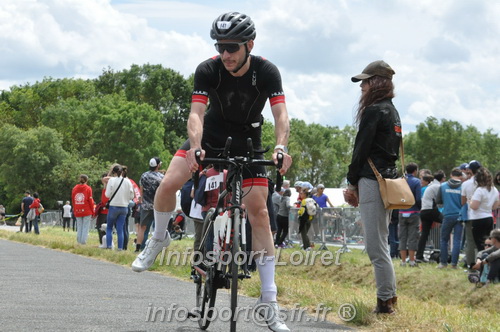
{"type": "Point", "coordinates": [429, 299]}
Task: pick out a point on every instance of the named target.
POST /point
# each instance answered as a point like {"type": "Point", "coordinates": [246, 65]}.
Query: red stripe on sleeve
{"type": "Point", "coordinates": [277, 100]}
{"type": "Point", "coordinates": [199, 99]}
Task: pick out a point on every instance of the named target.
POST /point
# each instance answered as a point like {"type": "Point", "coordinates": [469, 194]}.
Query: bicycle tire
{"type": "Point", "coordinates": [235, 268]}
{"type": "Point", "coordinates": [206, 290]}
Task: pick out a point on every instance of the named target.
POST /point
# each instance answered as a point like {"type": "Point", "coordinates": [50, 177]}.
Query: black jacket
{"type": "Point", "coordinates": [378, 137]}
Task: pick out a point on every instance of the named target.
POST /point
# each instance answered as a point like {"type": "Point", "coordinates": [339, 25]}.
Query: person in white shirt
{"type": "Point", "coordinates": [120, 191]}
{"type": "Point", "coordinates": [483, 201]}
{"type": "Point", "coordinates": [66, 215]}
{"type": "Point", "coordinates": [468, 188]}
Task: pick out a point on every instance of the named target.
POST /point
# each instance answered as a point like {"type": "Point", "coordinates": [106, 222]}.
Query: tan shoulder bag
{"type": "Point", "coordinates": [396, 193]}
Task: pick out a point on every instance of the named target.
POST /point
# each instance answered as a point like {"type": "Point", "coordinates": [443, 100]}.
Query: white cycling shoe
{"type": "Point", "coordinates": [270, 312]}
{"type": "Point", "coordinates": [147, 257]}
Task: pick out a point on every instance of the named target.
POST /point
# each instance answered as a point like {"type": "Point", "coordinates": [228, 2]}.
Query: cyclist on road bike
{"type": "Point", "coordinates": [237, 85]}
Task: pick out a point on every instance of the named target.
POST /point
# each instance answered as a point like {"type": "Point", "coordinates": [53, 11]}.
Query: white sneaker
{"type": "Point", "coordinates": [147, 257]}
{"type": "Point", "coordinates": [441, 266]}
{"type": "Point", "coordinates": [271, 313]}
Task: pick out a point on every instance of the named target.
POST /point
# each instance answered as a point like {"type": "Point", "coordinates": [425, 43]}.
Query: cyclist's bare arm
{"type": "Point", "coordinates": [281, 131]}
{"type": "Point", "coordinates": [195, 132]}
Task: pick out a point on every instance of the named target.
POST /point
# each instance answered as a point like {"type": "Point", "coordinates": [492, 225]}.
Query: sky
{"type": "Point", "coordinates": [445, 53]}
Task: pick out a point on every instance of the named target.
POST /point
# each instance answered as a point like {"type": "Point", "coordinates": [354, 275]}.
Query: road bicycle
{"type": "Point", "coordinates": [226, 264]}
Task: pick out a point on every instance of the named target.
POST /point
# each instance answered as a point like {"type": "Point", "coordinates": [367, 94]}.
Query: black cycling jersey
{"type": "Point", "coordinates": [235, 104]}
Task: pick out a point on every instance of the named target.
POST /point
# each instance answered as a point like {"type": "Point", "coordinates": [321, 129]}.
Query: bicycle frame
{"type": "Point", "coordinates": [220, 275]}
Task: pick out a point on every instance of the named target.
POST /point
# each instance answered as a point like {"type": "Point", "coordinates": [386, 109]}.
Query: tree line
{"type": "Point", "coordinates": [54, 130]}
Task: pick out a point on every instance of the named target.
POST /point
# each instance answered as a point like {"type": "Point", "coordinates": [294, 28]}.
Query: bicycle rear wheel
{"type": "Point", "coordinates": [206, 290]}
{"type": "Point", "coordinates": [235, 249]}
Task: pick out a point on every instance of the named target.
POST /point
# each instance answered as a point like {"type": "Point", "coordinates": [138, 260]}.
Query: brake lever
{"type": "Point", "coordinates": [250, 148]}
{"type": "Point", "coordinates": [279, 177]}
{"type": "Point", "coordinates": [196, 175]}
{"type": "Point", "coordinates": [227, 147]}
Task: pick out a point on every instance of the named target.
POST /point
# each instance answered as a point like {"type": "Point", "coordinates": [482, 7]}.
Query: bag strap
{"type": "Point", "coordinates": [113, 196]}
{"type": "Point", "coordinates": [402, 155]}
{"type": "Point", "coordinates": [401, 147]}
{"type": "Point", "coordinates": [375, 171]}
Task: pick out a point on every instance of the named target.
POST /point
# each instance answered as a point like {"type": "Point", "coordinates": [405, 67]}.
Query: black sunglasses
{"type": "Point", "coordinates": [488, 245]}
{"type": "Point", "coordinates": [229, 47]}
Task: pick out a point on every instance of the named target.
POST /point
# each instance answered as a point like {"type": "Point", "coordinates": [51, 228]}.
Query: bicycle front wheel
{"type": "Point", "coordinates": [235, 253]}
{"type": "Point", "coordinates": [206, 289]}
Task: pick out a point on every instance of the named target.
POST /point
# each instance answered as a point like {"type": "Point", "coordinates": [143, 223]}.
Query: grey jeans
{"type": "Point", "coordinates": [82, 229]}
{"type": "Point", "coordinates": [375, 219]}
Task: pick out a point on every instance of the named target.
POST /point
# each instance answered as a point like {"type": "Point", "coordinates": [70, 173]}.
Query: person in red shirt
{"type": "Point", "coordinates": [35, 205]}
{"type": "Point", "coordinates": [83, 208]}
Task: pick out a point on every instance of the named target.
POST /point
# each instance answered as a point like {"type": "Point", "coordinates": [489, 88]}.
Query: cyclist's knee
{"type": "Point", "coordinates": [259, 218]}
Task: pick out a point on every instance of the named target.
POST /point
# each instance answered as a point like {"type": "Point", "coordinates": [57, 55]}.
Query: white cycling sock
{"type": "Point", "coordinates": [161, 224]}
{"type": "Point", "coordinates": [266, 267]}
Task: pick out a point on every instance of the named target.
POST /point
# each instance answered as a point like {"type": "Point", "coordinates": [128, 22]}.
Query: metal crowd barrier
{"type": "Point", "coordinates": [51, 218]}
{"type": "Point", "coordinates": [343, 226]}
{"type": "Point", "coordinates": [330, 225]}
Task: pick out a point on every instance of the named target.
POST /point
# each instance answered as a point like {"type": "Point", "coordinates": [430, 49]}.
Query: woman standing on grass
{"type": "Point", "coordinates": [120, 192]}
{"type": "Point", "coordinates": [378, 139]}
{"type": "Point", "coordinates": [83, 208]}
{"type": "Point", "coordinates": [483, 201]}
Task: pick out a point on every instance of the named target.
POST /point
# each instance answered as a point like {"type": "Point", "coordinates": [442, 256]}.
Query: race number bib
{"type": "Point", "coordinates": [214, 182]}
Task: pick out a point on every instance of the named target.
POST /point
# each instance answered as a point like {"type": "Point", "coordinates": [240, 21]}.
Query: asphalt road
{"type": "Point", "coordinates": [48, 290]}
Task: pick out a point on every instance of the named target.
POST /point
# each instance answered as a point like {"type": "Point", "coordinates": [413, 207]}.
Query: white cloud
{"type": "Point", "coordinates": [444, 53]}
{"type": "Point", "coordinates": [80, 38]}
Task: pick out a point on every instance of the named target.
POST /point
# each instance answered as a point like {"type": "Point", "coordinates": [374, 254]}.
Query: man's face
{"type": "Point", "coordinates": [233, 60]}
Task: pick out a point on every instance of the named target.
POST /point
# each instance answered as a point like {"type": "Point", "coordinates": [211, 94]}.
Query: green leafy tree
{"type": "Point", "coordinates": [74, 120]}
{"type": "Point", "coordinates": [109, 128]}
{"type": "Point", "coordinates": [434, 140]}
{"type": "Point", "coordinates": [25, 104]}
{"type": "Point", "coordinates": [446, 144]}
{"type": "Point", "coordinates": [125, 132]}
{"type": "Point", "coordinates": [164, 89]}
{"type": "Point", "coordinates": [491, 151]}
{"type": "Point", "coordinates": [28, 159]}
{"type": "Point", "coordinates": [67, 174]}
{"type": "Point", "coordinates": [320, 153]}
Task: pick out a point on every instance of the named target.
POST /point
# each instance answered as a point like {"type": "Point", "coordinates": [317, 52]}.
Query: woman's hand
{"type": "Point", "coordinates": [351, 197]}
